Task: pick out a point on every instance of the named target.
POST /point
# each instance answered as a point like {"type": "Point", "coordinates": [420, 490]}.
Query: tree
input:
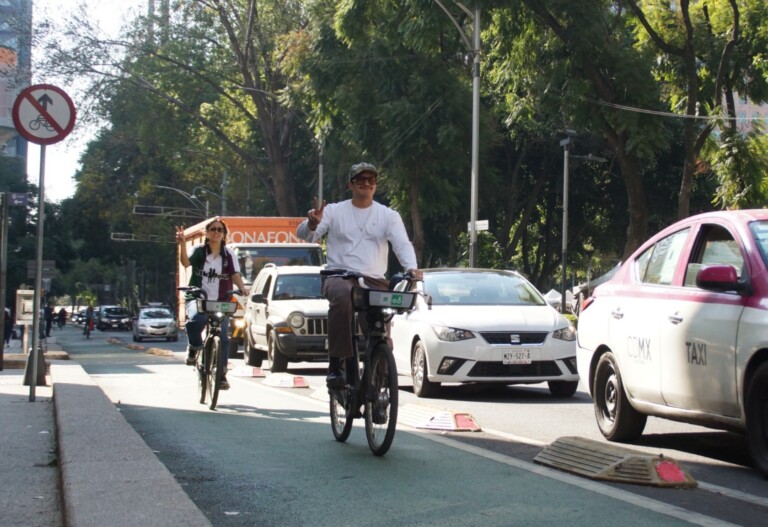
{"type": "Point", "coordinates": [213, 61]}
{"type": "Point", "coordinates": [704, 60]}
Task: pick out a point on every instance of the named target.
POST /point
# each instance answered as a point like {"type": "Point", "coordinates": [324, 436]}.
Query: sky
{"type": "Point", "coordinates": [61, 159]}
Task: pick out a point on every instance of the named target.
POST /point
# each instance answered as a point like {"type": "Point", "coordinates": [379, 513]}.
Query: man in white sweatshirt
{"type": "Point", "coordinates": [358, 230]}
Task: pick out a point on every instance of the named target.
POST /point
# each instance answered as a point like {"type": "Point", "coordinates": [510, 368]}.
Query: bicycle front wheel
{"type": "Point", "coordinates": [203, 367]}
{"type": "Point", "coordinates": [381, 400]}
{"type": "Point", "coordinates": [216, 371]}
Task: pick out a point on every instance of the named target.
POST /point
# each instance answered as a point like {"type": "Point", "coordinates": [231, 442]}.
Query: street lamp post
{"type": "Point", "coordinates": [566, 144]}
{"type": "Point", "coordinates": [474, 49]}
{"type": "Point", "coordinates": [204, 190]}
{"type": "Point", "coordinates": [190, 197]}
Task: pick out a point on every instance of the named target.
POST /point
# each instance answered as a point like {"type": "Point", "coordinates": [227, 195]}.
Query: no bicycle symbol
{"type": "Point", "coordinates": [43, 114]}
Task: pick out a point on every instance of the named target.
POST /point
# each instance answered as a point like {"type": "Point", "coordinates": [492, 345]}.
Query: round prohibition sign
{"type": "Point", "coordinates": [43, 114]}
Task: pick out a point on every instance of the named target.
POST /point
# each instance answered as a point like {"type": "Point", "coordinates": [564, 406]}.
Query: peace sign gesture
{"type": "Point", "coordinates": [179, 234]}
{"type": "Point", "coordinates": [315, 215]}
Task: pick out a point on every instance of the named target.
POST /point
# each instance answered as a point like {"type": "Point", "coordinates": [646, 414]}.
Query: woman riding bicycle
{"type": "Point", "coordinates": [214, 269]}
{"type": "Point", "coordinates": [358, 230]}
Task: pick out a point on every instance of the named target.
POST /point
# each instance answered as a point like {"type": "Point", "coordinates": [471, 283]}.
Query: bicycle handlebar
{"type": "Point", "coordinates": [347, 274]}
{"type": "Point", "coordinates": [199, 292]}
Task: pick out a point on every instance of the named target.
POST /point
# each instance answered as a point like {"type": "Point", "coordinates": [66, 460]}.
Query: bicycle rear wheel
{"type": "Point", "coordinates": [216, 371]}
{"type": "Point", "coordinates": [381, 400]}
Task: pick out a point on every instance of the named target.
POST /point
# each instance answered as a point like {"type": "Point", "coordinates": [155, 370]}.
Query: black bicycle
{"type": "Point", "coordinates": [374, 385]}
{"type": "Point", "coordinates": [209, 364]}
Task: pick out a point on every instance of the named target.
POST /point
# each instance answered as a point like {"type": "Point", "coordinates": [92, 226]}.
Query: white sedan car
{"type": "Point", "coordinates": [483, 326]}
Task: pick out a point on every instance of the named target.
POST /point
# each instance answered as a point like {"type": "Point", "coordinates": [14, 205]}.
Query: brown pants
{"type": "Point", "coordinates": [338, 291]}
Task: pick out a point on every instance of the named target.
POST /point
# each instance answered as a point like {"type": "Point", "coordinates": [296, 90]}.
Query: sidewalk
{"type": "Point", "coordinates": [70, 458]}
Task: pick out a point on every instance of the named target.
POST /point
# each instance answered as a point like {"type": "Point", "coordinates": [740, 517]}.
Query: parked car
{"type": "Point", "coordinates": [286, 317]}
{"type": "Point", "coordinates": [681, 332]}
{"type": "Point", "coordinates": [113, 317]}
{"type": "Point", "coordinates": [155, 322]}
{"type": "Point", "coordinates": [483, 326]}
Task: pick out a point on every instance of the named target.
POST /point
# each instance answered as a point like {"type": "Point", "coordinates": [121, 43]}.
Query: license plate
{"type": "Point", "coordinates": [522, 356]}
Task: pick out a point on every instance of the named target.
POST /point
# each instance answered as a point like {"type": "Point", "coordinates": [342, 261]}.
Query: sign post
{"type": "Point", "coordinates": [43, 114]}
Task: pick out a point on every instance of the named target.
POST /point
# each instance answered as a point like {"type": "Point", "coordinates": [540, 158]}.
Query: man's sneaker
{"type": "Point", "coordinates": [224, 383]}
{"type": "Point", "coordinates": [335, 379]}
{"type": "Point", "coordinates": [191, 356]}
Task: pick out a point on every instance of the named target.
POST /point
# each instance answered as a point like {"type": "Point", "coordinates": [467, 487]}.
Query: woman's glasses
{"type": "Point", "coordinates": [217, 229]}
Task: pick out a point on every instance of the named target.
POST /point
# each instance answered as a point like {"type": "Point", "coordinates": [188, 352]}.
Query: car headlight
{"type": "Point", "coordinates": [124, 320]}
{"type": "Point", "coordinates": [452, 334]}
{"type": "Point", "coordinates": [567, 333]}
{"type": "Point", "coordinates": [296, 320]}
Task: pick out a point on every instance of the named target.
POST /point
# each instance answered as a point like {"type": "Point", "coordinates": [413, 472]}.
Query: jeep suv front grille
{"type": "Point", "coordinates": [317, 326]}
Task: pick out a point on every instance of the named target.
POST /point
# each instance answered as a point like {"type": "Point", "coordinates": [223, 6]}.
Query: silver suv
{"type": "Point", "coordinates": [286, 317]}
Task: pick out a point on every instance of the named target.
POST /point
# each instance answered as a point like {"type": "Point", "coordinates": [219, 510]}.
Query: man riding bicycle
{"type": "Point", "coordinates": [358, 231]}
{"type": "Point", "coordinates": [214, 269]}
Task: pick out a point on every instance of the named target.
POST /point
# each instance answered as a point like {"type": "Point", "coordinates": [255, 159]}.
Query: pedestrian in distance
{"type": "Point", "coordinates": [48, 316]}
{"type": "Point", "coordinates": [215, 269]}
{"type": "Point", "coordinates": [61, 318]}
{"type": "Point", "coordinates": [359, 231]}
{"type": "Point", "coordinates": [8, 327]}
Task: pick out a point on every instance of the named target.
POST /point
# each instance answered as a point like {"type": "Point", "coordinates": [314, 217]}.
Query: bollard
{"type": "Point", "coordinates": [28, 372]}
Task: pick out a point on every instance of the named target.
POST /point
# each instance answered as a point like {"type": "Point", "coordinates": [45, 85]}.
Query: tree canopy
{"type": "Point", "coordinates": [240, 103]}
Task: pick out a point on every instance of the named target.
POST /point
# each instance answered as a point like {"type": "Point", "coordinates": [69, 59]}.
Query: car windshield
{"type": "Point", "coordinates": [252, 259]}
{"type": "Point", "coordinates": [472, 288]}
{"type": "Point", "coordinates": [760, 233]}
{"type": "Point", "coordinates": [116, 311]}
{"type": "Point", "coordinates": [156, 313]}
{"type": "Point", "coordinates": [297, 286]}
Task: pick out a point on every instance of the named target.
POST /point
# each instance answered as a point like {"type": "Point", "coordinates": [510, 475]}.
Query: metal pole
{"type": "Point", "coordinates": [3, 274]}
{"type": "Point", "coordinates": [224, 183]}
{"type": "Point", "coordinates": [475, 139]}
{"type": "Point", "coordinates": [33, 356]}
{"type": "Point", "coordinates": [320, 173]}
{"type": "Point", "coordinates": [566, 147]}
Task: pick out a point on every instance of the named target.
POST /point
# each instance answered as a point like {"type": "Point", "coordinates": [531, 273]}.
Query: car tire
{"type": "Point", "coordinates": [616, 418]}
{"type": "Point", "coordinates": [278, 362]}
{"type": "Point", "coordinates": [252, 356]}
{"type": "Point", "coordinates": [422, 386]}
{"type": "Point", "coordinates": [757, 419]}
{"type": "Point", "coordinates": [562, 388]}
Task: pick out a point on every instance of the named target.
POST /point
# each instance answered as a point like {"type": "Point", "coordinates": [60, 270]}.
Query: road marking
{"type": "Point", "coordinates": [598, 488]}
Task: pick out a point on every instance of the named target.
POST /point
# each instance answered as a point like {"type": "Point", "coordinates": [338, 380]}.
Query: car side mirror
{"type": "Point", "coordinates": [718, 278]}
{"type": "Point", "coordinates": [257, 298]}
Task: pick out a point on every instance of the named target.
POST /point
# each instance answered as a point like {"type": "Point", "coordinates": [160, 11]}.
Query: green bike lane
{"type": "Point", "coordinates": [267, 457]}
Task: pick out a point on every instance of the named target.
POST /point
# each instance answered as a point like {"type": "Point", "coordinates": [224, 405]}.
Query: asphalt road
{"type": "Point", "coordinates": [267, 456]}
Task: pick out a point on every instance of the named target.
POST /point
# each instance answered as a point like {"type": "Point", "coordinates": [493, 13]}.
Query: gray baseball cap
{"type": "Point", "coordinates": [359, 168]}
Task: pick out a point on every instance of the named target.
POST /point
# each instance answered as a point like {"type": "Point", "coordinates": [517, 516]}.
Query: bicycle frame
{"type": "Point", "coordinates": [375, 385]}
{"type": "Point", "coordinates": [209, 364]}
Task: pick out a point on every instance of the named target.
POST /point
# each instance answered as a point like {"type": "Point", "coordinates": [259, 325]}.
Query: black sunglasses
{"type": "Point", "coordinates": [217, 229]}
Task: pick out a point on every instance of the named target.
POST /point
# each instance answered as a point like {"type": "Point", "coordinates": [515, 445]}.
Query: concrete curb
{"type": "Point", "coordinates": [109, 474]}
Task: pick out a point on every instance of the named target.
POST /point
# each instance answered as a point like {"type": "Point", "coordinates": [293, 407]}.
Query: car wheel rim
{"type": "Point", "coordinates": [611, 397]}
{"type": "Point", "coordinates": [418, 369]}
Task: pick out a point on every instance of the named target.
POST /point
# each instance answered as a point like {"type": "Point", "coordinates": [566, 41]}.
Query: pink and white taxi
{"type": "Point", "coordinates": [681, 332]}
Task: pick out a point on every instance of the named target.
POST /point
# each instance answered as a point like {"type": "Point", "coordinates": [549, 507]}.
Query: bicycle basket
{"type": "Point", "coordinates": [216, 306]}
{"type": "Point", "coordinates": [363, 298]}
